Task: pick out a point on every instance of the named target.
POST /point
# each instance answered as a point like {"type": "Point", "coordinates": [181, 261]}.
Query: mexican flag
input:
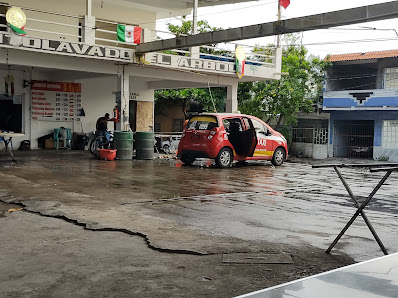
{"type": "Point", "coordinates": [240, 68]}
{"type": "Point", "coordinates": [284, 3]}
{"type": "Point", "coordinates": [240, 59]}
{"type": "Point", "coordinates": [128, 34]}
{"type": "Point", "coordinates": [19, 31]}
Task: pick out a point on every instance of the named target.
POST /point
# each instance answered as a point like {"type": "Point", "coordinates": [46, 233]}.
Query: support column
{"type": "Point", "coordinates": [89, 6]}
{"type": "Point", "coordinates": [231, 104]}
{"type": "Point", "coordinates": [195, 50]}
{"type": "Point", "coordinates": [123, 82]}
{"type": "Point", "coordinates": [88, 32]}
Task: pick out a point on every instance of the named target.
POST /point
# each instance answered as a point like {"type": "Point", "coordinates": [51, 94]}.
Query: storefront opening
{"type": "Point", "coordinates": [11, 113]}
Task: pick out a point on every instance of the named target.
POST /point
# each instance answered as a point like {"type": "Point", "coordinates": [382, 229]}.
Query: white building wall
{"type": "Point", "coordinates": [384, 154]}
{"type": "Point", "coordinates": [110, 10]}
{"type": "Point", "coordinates": [97, 99]}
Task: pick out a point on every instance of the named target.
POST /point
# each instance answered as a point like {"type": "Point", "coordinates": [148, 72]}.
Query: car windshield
{"type": "Point", "coordinates": [202, 123]}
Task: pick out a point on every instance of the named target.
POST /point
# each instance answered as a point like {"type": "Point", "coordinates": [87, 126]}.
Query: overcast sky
{"type": "Point", "coordinates": [319, 42]}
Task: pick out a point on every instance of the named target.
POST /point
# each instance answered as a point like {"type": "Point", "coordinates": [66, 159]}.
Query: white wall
{"type": "Point", "coordinates": [140, 86]}
{"type": "Point", "coordinates": [382, 153]}
{"type": "Point", "coordinates": [111, 11]}
{"type": "Point", "coordinates": [97, 99]}
{"type": "Point", "coordinates": [309, 150]}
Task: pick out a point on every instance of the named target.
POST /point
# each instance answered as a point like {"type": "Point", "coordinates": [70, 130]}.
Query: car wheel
{"type": "Point", "coordinates": [166, 149]}
{"type": "Point", "coordinates": [188, 160]}
{"type": "Point", "coordinates": [279, 157]}
{"type": "Point", "coordinates": [224, 158]}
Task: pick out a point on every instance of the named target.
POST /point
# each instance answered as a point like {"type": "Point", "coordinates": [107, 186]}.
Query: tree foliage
{"type": "Point", "coordinates": [293, 93]}
{"type": "Point", "coordinates": [184, 97]}
{"type": "Point", "coordinates": [186, 27]}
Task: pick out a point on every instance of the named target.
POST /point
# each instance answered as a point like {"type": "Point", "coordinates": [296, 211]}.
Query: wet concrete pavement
{"type": "Point", "coordinates": [201, 210]}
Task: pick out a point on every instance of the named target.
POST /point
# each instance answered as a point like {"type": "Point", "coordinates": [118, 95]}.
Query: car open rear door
{"type": "Point", "coordinates": [249, 137]}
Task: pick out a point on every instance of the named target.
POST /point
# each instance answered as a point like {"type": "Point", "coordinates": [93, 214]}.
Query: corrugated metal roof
{"type": "Point", "coordinates": [364, 56]}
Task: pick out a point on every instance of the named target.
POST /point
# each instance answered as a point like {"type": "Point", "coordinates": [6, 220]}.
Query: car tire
{"type": "Point", "coordinates": [224, 158]}
{"type": "Point", "coordinates": [166, 149]}
{"type": "Point", "coordinates": [278, 157]}
{"type": "Point", "coordinates": [187, 160]}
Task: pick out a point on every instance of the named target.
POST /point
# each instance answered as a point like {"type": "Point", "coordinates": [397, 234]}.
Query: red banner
{"type": "Point", "coordinates": [56, 86]}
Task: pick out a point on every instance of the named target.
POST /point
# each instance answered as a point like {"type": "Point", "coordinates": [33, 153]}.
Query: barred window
{"type": "Point", "coordinates": [391, 78]}
{"type": "Point", "coordinates": [390, 134]}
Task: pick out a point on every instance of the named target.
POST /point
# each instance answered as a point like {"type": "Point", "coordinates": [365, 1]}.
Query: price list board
{"type": "Point", "coordinates": [56, 101]}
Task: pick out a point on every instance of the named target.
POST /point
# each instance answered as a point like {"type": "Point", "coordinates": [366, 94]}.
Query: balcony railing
{"type": "Point", "coordinates": [81, 29]}
{"type": "Point", "coordinates": [50, 25]}
{"type": "Point", "coordinates": [255, 55]}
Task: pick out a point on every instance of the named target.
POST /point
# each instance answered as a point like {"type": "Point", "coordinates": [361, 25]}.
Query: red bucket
{"type": "Point", "coordinates": [107, 154]}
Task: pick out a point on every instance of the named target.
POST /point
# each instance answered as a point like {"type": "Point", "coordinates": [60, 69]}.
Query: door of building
{"type": "Point", "coordinates": [133, 114]}
{"type": "Point", "coordinates": [353, 139]}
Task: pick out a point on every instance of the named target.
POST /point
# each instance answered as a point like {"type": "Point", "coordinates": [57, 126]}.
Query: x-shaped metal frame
{"type": "Point", "coordinates": [8, 147]}
{"type": "Point", "coordinates": [360, 210]}
{"type": "Point", "coordinates": [374, 167]}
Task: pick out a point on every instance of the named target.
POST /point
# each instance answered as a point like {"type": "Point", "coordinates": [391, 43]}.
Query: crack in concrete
{"type": "Point", "coordinates": [125, 231]}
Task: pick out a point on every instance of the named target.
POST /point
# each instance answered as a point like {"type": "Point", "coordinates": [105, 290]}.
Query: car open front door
{"type": "Point", "coordinates": [249, 137]}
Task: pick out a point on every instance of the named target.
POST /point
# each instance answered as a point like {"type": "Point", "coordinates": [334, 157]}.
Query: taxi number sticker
{"type": "Point", "coordinates": [262, 142]}
{"type": "Point", "coordinates": [203, 126]}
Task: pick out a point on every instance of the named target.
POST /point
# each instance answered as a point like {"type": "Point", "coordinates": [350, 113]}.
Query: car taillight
{"type": "Point", "coordinates": [212, 133]}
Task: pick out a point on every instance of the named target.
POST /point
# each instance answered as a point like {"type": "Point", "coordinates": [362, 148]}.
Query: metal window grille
{"type": "Point", "coordinates": [390, 134]}
{"type": "Point", "coordinates": [310, 135]}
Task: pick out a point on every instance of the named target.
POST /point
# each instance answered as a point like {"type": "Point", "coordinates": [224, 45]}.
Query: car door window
{"type": "Point", "coordinates": [260, 128]}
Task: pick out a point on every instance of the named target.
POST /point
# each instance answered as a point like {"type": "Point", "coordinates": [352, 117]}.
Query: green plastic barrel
{"type": "Point", "coordinates": [123, 142]}
{"type": "Point", "coordinates": [144, 145]}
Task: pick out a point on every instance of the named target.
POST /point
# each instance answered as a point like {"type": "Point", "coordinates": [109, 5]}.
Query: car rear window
{"type": "Point", "coordinates": [202, 123]}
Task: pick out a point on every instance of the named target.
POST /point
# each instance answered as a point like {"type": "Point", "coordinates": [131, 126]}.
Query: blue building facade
{"type": "Point", "coordinates": [361, 96]}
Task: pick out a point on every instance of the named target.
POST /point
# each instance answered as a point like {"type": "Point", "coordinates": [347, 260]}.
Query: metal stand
{"type": "Point", "coordinates": [360, 207]}
{"type": "Point", "coordinates": [8, 147]}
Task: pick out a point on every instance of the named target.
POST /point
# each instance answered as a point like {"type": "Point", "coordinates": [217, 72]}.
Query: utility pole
{"type": "Point", "coordinates": [195, 50]}
{"type": "Point", "coordinates": [278, 39]}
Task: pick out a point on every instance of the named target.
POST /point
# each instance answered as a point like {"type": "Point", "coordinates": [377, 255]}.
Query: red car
{"type": "Point", "coordinates": [227, 137]}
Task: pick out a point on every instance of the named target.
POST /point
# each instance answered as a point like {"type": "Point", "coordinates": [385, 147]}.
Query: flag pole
{"type": "Point", "coordinates": [278, 40]}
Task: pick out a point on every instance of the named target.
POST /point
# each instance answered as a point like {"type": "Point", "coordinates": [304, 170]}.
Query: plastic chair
{"type": "Point", "coordinates": [66, 137]}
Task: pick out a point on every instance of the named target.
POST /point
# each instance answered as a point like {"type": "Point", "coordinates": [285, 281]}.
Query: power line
{"type": "Point", "coordinates": [207, 14]}
{"type": "Point", "coordinates": [200, 15]}
{"type": "Point", "coordinates": [351, 41]}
